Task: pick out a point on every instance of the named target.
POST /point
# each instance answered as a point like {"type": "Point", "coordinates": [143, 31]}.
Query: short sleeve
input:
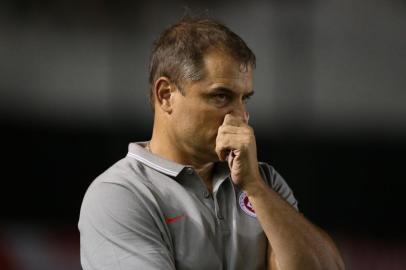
{"type": "Point", "coordinates": [278, 184]}
{"type": "Point", "coordinates": [118, 230]}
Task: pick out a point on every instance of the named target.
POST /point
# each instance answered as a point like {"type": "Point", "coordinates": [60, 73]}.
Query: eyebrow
{"type": "Point", "coordinates": [222, 89]}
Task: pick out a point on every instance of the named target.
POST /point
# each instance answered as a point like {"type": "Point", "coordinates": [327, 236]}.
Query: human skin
{"type": "Point", "coordinates": [204, 125]}
{"type": "Point", "coordinates": [186, 126]}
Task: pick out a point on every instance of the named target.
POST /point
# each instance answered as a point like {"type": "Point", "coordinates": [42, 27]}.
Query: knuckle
{"type": "Point", "coordinates": [223, 129]}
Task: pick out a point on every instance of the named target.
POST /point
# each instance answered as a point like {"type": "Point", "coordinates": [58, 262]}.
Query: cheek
{"type": "Point", "coordinates": [189, 121]}
{"type": "Point", "coordinates": [211, 123]}
{"type": "Point", "coordinates": [199, 120]}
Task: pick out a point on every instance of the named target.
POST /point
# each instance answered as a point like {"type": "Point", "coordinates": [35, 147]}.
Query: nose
{"type": "Point", "coordinates": [240, 111]}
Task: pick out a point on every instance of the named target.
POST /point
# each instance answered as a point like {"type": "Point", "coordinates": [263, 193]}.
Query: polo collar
{"type": "Point", "coordinates": [138, 151]}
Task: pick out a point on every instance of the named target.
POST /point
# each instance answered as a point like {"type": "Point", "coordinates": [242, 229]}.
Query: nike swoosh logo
{"type": "Point", "coordinates": [173, 219]}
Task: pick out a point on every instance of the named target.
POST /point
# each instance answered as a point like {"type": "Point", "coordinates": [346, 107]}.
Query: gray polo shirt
{"type": "Point", "coordinates": [146, 212]}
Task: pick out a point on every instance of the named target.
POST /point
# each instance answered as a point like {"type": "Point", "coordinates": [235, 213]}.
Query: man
{"type": "Point", "coordinates": [195, 196]}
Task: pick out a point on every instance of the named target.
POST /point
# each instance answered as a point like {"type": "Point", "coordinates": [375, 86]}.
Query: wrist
{"type": "Point", "coordinates": [255, 187]}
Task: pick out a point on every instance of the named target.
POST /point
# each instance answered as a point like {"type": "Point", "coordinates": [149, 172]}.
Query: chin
{"type": "Point", "coordinates": [208, 151]}
{"type": "Point", "coordinates": [207, 154]}
{"type": "Point", "coordinates": [213, 156]}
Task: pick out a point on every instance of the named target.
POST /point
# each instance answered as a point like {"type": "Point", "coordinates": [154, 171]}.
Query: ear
{"type": "Point", "coordinates": [164, 91]}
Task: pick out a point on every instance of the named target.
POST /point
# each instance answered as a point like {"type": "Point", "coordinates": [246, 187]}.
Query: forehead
{"type": "Point", "coordinates": [220, 68]}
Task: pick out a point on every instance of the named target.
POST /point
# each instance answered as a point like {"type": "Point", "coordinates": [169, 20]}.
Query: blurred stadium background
{"type": "Point", "coordinates": [329, 113]}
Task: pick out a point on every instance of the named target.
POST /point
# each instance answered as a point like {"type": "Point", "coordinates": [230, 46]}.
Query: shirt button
{"type": "Point", "coordinates": [206, 194]}
{"type": "Point", "coordinates": [220, 216]}
{"type": "Point", "coordinates": [189, 170]}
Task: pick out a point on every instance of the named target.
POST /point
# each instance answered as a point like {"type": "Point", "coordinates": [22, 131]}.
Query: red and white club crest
{"type": "Point", "coordinates": [245, 205]}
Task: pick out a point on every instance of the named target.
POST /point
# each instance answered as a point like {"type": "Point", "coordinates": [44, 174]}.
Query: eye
{"type": "Point", "coordinates": [220, 98]}
{"type": "Point", "coordinates": [246, 98]}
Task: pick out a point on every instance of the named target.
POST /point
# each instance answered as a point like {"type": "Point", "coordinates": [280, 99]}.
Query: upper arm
{"type": "Point", "coordinates": [118, 231]}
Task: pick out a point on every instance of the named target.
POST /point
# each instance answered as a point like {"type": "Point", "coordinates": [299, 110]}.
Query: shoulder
{"type": "Point", "coordinates": [277, 183]}
{"type": "Point", "coordinates": [120, 221]}
{"type": "Point", "coordinates": [126, 173]}
{"type": "Point", "coordinates": [121, 187]}
{"type": "Point", "coordinates": [271, 176]}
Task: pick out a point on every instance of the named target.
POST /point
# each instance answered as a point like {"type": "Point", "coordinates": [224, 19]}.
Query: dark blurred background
{"type": "Point", "coordinates": [329, 113]}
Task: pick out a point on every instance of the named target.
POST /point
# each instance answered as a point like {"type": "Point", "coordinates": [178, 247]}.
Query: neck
{"type": "Point", "coordinates": [162, 145]}
{"type": "Point", "coordinates": [170, 151]}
